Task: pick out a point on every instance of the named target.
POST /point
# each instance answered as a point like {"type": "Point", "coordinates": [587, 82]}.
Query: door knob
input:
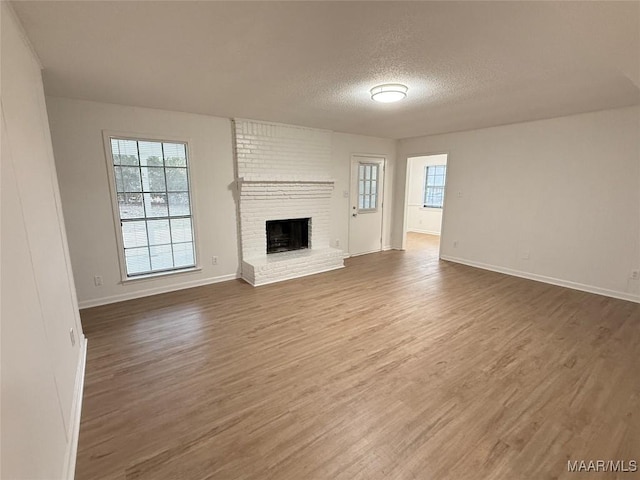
{"type": "Point", "coordinates": [354, 214]}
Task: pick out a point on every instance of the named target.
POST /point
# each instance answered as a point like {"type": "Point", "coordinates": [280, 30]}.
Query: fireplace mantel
{"type": "Point", "coordinates": [260, 189]}
{"type": "Point", "coordinates": [270, 181]}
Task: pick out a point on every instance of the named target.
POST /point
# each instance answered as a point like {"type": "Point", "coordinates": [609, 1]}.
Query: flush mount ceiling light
{"type": "Point", "coordinates": [389, 92]}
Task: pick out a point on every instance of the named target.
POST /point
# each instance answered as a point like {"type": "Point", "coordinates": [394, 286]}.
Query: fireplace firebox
{"type": "Point", "coordinates": [286, 235]}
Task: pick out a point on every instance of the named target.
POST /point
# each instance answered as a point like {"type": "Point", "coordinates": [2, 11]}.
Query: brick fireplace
{"type": "Point", "coordinates": [283, 173]}
{"type": "Point", "coordinates": [287, 235]}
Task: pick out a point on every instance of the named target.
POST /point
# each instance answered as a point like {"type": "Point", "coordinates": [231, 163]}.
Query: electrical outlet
{"type": "Point", "coordinates": [345, 194]}
{"type": "Point", "coordinates": [337, 242]}
{"type": "Point", "coordinates": [97, 280]}
{"type": "Point", "coordinates": [455, 244]}
{"type": "Point", "coordinates": [72, 336]}
{"type": "Point", "coordinates": [214, 260]}
{"type": "Point", "coordinates": [525, 255]}
{"type": "Point", "coordinates": [635, 275]}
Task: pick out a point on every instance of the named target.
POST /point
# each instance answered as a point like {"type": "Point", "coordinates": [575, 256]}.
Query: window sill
{"type": "Point", "coordinates": [430, 208]}
{"type": "Point", "coordinates": [155, 276]}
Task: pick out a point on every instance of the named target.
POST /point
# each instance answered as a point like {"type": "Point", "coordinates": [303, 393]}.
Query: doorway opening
{"type": "Point", "coordinates": [425, 199]}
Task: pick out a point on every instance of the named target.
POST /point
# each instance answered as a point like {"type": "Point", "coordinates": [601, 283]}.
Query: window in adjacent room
{"type": "Point", "coordinates": [434, 178]}
{"type": "Point", "coordinates": [152, 204]}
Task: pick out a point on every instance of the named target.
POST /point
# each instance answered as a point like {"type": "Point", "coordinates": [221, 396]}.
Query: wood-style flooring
{"type": "Point", "coordinates": [400, 366]}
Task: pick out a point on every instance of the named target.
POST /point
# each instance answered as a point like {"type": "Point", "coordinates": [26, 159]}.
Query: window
{"type": "Point", "coordinates": [367, 187]}
{"type": "Point", "coordinates": [151, 181]}
{"type": "Point", "coordinates": [434, 178]}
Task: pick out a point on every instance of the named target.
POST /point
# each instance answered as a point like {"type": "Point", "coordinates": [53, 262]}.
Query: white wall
{"type": "Point", "coordinates": [41, 369]}
{"type": "Point", "coordinates": [76, 129]}
{"type": "Point", "coordinates": [345, 145]}
{"type": "Point", "coordinates": [563, 192]}
{"type": "Point", "coordinates": [421, 219]}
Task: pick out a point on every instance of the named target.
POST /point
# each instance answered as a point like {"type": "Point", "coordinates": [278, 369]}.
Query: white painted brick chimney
{"type": "Point", "coordinates": [283, 172]}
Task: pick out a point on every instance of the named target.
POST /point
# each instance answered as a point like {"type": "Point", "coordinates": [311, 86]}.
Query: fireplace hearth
{"type": "Point", "coordinates": [287, 235]}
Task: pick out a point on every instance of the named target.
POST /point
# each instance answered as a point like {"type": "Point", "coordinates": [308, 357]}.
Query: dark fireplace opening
{"type": "Point", "coordinates": [286, 235]}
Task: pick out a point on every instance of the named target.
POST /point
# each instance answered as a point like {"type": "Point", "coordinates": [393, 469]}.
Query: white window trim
{"type": "Point", "coordinates": [106, 137]}
{"type": "Point", "coordinates": [424, 187]}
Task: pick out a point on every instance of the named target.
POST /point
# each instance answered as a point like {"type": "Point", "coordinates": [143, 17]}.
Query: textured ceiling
{"type": "Point", "coordinates": [467, 64]}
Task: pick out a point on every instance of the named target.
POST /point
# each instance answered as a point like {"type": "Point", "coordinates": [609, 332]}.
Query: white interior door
{"type": "Point", "coordinates": [367, 185]}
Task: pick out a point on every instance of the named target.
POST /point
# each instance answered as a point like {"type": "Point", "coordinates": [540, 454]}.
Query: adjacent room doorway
{"type": "Point", "coordinates": [365, 213]}
{"type": "Point", "coordinates": [425, 197]}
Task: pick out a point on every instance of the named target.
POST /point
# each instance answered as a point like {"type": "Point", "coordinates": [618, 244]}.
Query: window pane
{"type": "Point", "coordinates": [374, 187]}
{"type": "Point", "coordinates": [150, 153]}
{"type": "Point", "coordinates": [434, 186]}
{"type": "Point", "coordinates": [183, 254]}
{"type": "Point", "coordinates": [361, 202]}
{"type": "Point", "coordinates": [130, 205]}
{"type": "Point", "coordinates": [156, 204]}
{"type": "Point", "coordinates": [118, 175]}
{"type": "Point", "coordinates": [161, 257]}
{"type": "Point", "coordinates": [124, 152]}
{"type": "Point", "coordinates": [361, 172]}
{"type": "Point", "coordinates": [145, 172]}
{"type": "Point", "coordinates": [134, 234]}
{"type": "Point", "coordinates": [130, 179]}
{"type": "Point", "coordinates": [373, 201]}
{"type": "Point", "coordinates": [374, 173]}
{"type": "Point", "coordinates": [366, 201]}
{"type": "Point", "coordinates": [115, 152]}
{"type": "Point", "coordinates": [179, 204]}
{"type": "Point", "coordinates": [361, 187]}
{"type": "Point", "coordinates": [158, 232]}
{"type": "Point", "coordinates": [367, 188]}
{"type": "Point", "coordinates": [434, 197]}
{"type": "Point", "coordinates": [137, 260]}
{"type": "Point", "coordinates": [153, 179]}
{"type": "Point", "coordinates": [181, 230]}
{"type": "Point", "coordinates": [177, 179]}
{"type": "Point", "coordinates": [175, 154]}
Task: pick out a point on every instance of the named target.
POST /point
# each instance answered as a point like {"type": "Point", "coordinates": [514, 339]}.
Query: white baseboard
{"type": "Point", "coordinates": [544, 279]}
{"type": "Point", "coordinates": [427, 232]}
{"type": "Point", "coordinates": [284, 279]}
{"type": "Point", "coordinates": [384, 249]}
{"type": "Point", "coordinates": [69, 469]}
{"type": "Point", "coordinates": [365, 253]}
{"type": "Point", "coordinates": [154, 291]}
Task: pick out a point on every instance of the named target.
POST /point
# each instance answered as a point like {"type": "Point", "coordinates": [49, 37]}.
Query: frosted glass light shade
{"type": "Point", "coordinates": [389, 92]}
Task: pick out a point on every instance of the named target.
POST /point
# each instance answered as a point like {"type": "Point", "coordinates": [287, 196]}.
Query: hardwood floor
{"type": "Point", "coordinates": [400, 366]}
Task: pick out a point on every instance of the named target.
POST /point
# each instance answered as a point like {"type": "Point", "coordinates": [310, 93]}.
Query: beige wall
{"type": "Point", "coordinates": [41, 369]}
{"type": "Point", "coordinates": [557, 200]}
{"type": "Point", "coordinates": [76, 128]}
